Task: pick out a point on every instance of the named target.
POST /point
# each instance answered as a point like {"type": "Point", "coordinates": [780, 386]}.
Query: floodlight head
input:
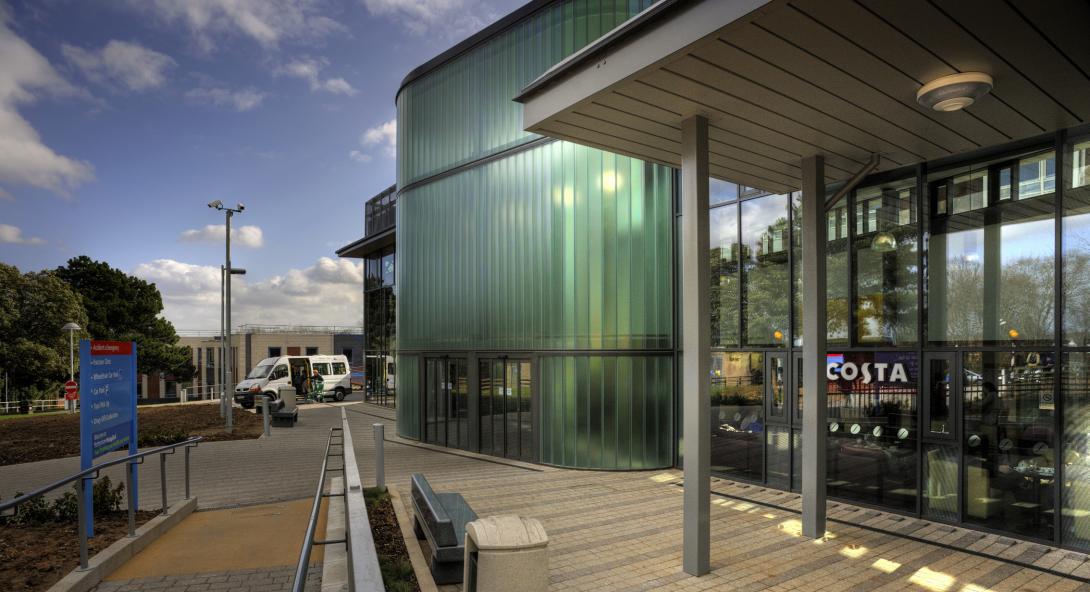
{"type": "Point", "coordinates": [241, 206]}
{"type": "Point", "coordinates": [216, 204]}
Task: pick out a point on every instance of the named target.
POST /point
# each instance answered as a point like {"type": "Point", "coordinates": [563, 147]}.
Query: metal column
{"type": "Point", "coordinates": [814, 329]}
{"type": "Point", "coordinates": [696, 344]}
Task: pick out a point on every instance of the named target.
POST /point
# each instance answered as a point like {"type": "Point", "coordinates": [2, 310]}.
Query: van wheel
{"type": "Point", "coordinates": [338, 394]}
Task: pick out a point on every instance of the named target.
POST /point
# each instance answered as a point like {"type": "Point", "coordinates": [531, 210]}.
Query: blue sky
{"type": "Point", "coordinates": [120, 119]}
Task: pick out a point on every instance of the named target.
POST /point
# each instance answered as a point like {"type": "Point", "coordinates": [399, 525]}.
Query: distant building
{"type": "Point", "coordinates": [252, 343]}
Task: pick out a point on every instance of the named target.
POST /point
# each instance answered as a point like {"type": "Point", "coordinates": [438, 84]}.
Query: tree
{"type": "Point", "coordinates": [34, 350]}
{"type": "Point", "coordinates": [122, 307]}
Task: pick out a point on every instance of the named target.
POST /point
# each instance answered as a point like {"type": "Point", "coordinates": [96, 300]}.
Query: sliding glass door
{"type": "Point", "coordinates": [506, 421]}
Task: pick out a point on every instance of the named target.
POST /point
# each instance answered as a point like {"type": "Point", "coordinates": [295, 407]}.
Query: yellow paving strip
{"type": "Point", "coordinates": [269, 535]}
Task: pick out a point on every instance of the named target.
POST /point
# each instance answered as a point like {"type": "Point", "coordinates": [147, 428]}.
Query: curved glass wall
{"type": "Point", "coordinates": [463, 110]}
{"type": "Point", "coordinates": [560, 247]}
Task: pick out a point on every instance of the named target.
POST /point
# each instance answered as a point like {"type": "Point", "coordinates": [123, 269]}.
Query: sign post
{"type": "Point", "coordinates": [108, 415]}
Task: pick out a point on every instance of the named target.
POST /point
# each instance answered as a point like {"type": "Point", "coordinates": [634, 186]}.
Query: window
{"type": "Point", "coordinates": [274, 352]}
{"type": "Point", "coordinates": [388, 269]}
{"type": "Point", "coordinates": [312, 351]}
{"type": "Point", "coordinates": [1076, 244]}
{"type": "Point", "coordinates": [339, 369]}
{"type": "Point", "coordinates": [886, 264]}
{"type": "Point", "coordinates": [724, 275]}
{"type": "Point", "coordinates": [738, 425]}
{"type": "Point", "coordinates": [765, 293]}
{"type": "Point", "coordinates": [322, 368]}
{"type": "Point", "coordinates": [281, 371]}
{"type": "Point", "coordinates": [721, 192]}
{"type": "Point", "coordinates": [347, 353]}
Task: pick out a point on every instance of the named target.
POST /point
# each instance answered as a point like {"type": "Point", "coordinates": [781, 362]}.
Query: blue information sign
{"type": "Point", "coordinates": [107, 405]}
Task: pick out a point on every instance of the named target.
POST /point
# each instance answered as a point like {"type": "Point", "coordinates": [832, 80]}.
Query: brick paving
{"type": "Point", "coordinates": [245, 580]}
{"type": "Point", "coordinates": [613, 531]}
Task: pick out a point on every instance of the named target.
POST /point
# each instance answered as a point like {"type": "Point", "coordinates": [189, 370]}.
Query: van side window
{"type": "Point", "coordinates": [279, 372]}
{"type": "Point", "coordinates": [338, 368]}
{"type": "Point", "coordinates": [321, 367]}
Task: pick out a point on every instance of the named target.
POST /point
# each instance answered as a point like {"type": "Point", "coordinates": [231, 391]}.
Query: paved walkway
{"type": "Point", "coordinates": [622, 531]}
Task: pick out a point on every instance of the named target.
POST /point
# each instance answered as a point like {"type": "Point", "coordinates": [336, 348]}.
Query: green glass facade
{"type": "Point", "coordinates": [555, 255]}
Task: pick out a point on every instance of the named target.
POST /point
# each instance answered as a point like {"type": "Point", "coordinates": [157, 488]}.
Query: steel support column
{"type": "Point", "coordinates": [696, 344]}
{"type": "Point", "coordinates": [813, 347]}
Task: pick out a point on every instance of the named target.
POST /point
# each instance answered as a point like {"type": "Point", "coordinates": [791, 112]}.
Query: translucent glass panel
{"type": "Point", "coordinates": [463, 110]}
{"type": "Point", "coordinates": [738, 422]}
{"type": "Point", "coordinates": [557, 247]}
{"type": "Point", "coordinates": [886, 264]}
{"type": "Point", "coordinates": [607, 412]}
{"type": "Point", "coordinates": [725, 276]}
{"type": "Point", "coordinates": [940, 482]}
{"type": "Point", "coordinates": [408, 396]}
{"type": "Point", "coordinates": [1009, 440]}
{"type": "Point", "coordinates": [872, 427]}
{"type": "Point", "coordinates": [1076, 451]}
{"type": "Point", "coordinates": [1076, 244]}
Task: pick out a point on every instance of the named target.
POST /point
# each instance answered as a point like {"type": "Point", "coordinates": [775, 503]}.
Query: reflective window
{"type": "Point", "coordinates": [721, 192]}
{"type": "Point", "coordinates": [388, 269]}
{"type": "Point", "coordinates": [872, 427]}
{"type": "Point", "coordinates": [886, 263]}
{"type": "Point", "coordinates": [837, 273]}
{"type": "Point", "coordinates": [1008, 440]}
{"type": "Point", "coordinates": [724, 276]}
{"type": "Point", "coordinates": [991, 271]}
{"type": "Point", "coordinates": [1076, 451]}
{"type": "Point", "coordinates": [1076, 245]}
{"type": "Point", "coordinates": [766, 294]}
{"type": "Point", "coordinates": [940, 486]}
{"type": "Point", "coordinates": [737, 394]}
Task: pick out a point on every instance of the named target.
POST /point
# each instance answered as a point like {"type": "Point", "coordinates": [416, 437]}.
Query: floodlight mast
{"type": "Point", "coordinates": [228, 387]}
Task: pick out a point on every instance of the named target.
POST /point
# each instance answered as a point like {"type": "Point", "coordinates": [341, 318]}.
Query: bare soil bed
{"type": "Point", "coordinates": [35, 557]}
{"type": "Point", "coordinates": [33, 438]}
{"type": "Point", "coordinates": [393, 556]}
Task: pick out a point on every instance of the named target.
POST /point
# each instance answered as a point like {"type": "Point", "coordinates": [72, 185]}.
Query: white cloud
{"type": "Point", "coordinates": [24, 158]}
{"type": "Point", "coordinates": [121, 65]}
{"type": "Point", "coordinates": [383, 135]}
{"type": "Point", "coordinates": [243, 236]}
{"type": "Point", "coordinates": [265, 21]}
{"type": "Point", "coordinates": [449, 18]}
{"type": "Point", "coordinates": [13, 235]}
{"type": "Point", "coordinates": [326, 293]}
{"type": "Point", "coordinates": [309, 70]}
{"type": "Point", "coordinates": [241, 100]}
{"type": "Point", "coordinates": [358, 156]}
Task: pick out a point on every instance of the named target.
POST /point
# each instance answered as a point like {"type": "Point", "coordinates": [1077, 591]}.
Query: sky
{"type": "Point", "coordinates": [121, 119]}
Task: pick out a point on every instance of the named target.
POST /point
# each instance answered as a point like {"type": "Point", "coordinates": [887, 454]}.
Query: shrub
{"type": "Point", "coordinates": [162, 437]}
{"type": "Point", "coordinates": [106, 498]}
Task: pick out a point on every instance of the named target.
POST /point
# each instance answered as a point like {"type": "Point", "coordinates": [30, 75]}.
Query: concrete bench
{"type": "Point", "coordinates": [441, 518]}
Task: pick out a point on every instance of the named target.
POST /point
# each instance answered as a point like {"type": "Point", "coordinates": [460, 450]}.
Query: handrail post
{"type": "Point", "coordinates": [130, 468]}
{"type": "Point", "coordinates": [163, 479]}
{"type": "Point", "coordinates": [81, 514]}
{"type": "Point", "coordinates": [187, 472]}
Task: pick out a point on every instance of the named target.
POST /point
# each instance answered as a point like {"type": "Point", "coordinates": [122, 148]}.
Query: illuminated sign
{"type": "Point", "coordinates": [868, 372]}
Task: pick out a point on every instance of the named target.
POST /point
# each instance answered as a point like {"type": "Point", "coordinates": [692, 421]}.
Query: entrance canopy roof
{"type": "Point", "coordinates": [780, 80]}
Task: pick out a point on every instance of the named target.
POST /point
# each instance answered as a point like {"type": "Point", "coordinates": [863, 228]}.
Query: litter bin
{"type": "Point", "coordinates": [506, 553]}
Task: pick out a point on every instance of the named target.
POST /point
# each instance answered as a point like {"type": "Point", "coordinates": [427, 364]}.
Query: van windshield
{"type": "Point", "coordinates": [260, 371]}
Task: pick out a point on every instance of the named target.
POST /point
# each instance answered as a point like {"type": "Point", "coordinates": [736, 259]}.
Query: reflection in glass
{"type": "Point", "coordinates": [939, 392]}
{"type": "Point", "coordinates": [991, 272]}
{"type": "Point", "coordinates": [721, 191]}
{"type": "Point", "coordinates": [505, 417]}
{"type": "Point", "coordinates": [940, 487]}
{"type": "Point", "coordinates": [737, 389]}
{"type": "Point", "coordinates": [1009, 442]}
{"type": "Point", "coordinates": [766, 297]}
{"type": "Point", "coordinates": [777, 404]}
{"type": "Point", "coordinates": [1076, 245]}
{"type": "Point", "coordinates": [1076, 451]}
{"type": "Point", "coordinates": [837, 273]}
{"type": "Point", "coordinates": [872, 453]}
{"type": "Point", "coordinates": [724, 274]}
{"type": "Point", "coordinates": [779, 456]}
{"type": "Point", "coordinates": [886, 263]}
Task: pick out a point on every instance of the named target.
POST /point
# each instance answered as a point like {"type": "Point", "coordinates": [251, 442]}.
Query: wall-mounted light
{"type": "Point", "coordinates": [883, 242]}
{"type": "Point", "coordinates": [954, 92]}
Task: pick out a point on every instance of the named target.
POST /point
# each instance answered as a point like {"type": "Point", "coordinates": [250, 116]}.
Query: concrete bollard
{"type": "Point", "coordinates": [380, 469]}
{"type": "Point", "coordinates": [265, 414]}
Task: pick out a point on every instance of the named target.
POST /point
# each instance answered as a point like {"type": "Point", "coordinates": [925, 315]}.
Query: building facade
{"type": "Point", "coordinates": [540, 280]}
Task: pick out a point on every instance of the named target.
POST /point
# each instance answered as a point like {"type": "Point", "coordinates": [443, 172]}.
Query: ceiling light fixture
{"type": "Point", "coordinates": [954, 92]}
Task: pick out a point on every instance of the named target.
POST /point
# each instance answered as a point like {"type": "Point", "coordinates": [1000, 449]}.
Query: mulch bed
{"type": "Point", "coordinates": [34, 438]}
{"type": "Point", "coordinates": [33, 558]}
{"type": "Point", "coordinates": [393, 556]}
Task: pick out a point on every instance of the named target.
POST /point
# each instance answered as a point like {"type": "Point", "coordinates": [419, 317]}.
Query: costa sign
{"type": "Point", "coordinates": [868, 371]}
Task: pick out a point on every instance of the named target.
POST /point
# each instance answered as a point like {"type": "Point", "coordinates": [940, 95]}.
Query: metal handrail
{"type": "Point", "coordinates": [92, 473]}
{"type": "Point", "coordinates": [309, 542]}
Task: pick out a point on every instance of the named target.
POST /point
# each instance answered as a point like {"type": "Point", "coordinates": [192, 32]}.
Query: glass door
{"type": "Point", "coordinates": [505, 410]}
{"type": "Point", "coordinates": [940, 498]}
{"type": "Point", "coordinates": [446, 402]}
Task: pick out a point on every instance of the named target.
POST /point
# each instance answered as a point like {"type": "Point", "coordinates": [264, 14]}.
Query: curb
{"type": "Point", "coordinates": [111, 558]}
{"type": "Point", "coordinates": [416, 556]}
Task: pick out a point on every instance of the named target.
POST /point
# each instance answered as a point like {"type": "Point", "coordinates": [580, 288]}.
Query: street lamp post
{"type": "Point", "coordinates": [228, 386]}
{"type": "Point", "coordinates": [72, 329]}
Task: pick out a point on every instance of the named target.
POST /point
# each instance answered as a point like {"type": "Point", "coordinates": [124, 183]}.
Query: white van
{"type": "Point", "coordinates": [272, 373]}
